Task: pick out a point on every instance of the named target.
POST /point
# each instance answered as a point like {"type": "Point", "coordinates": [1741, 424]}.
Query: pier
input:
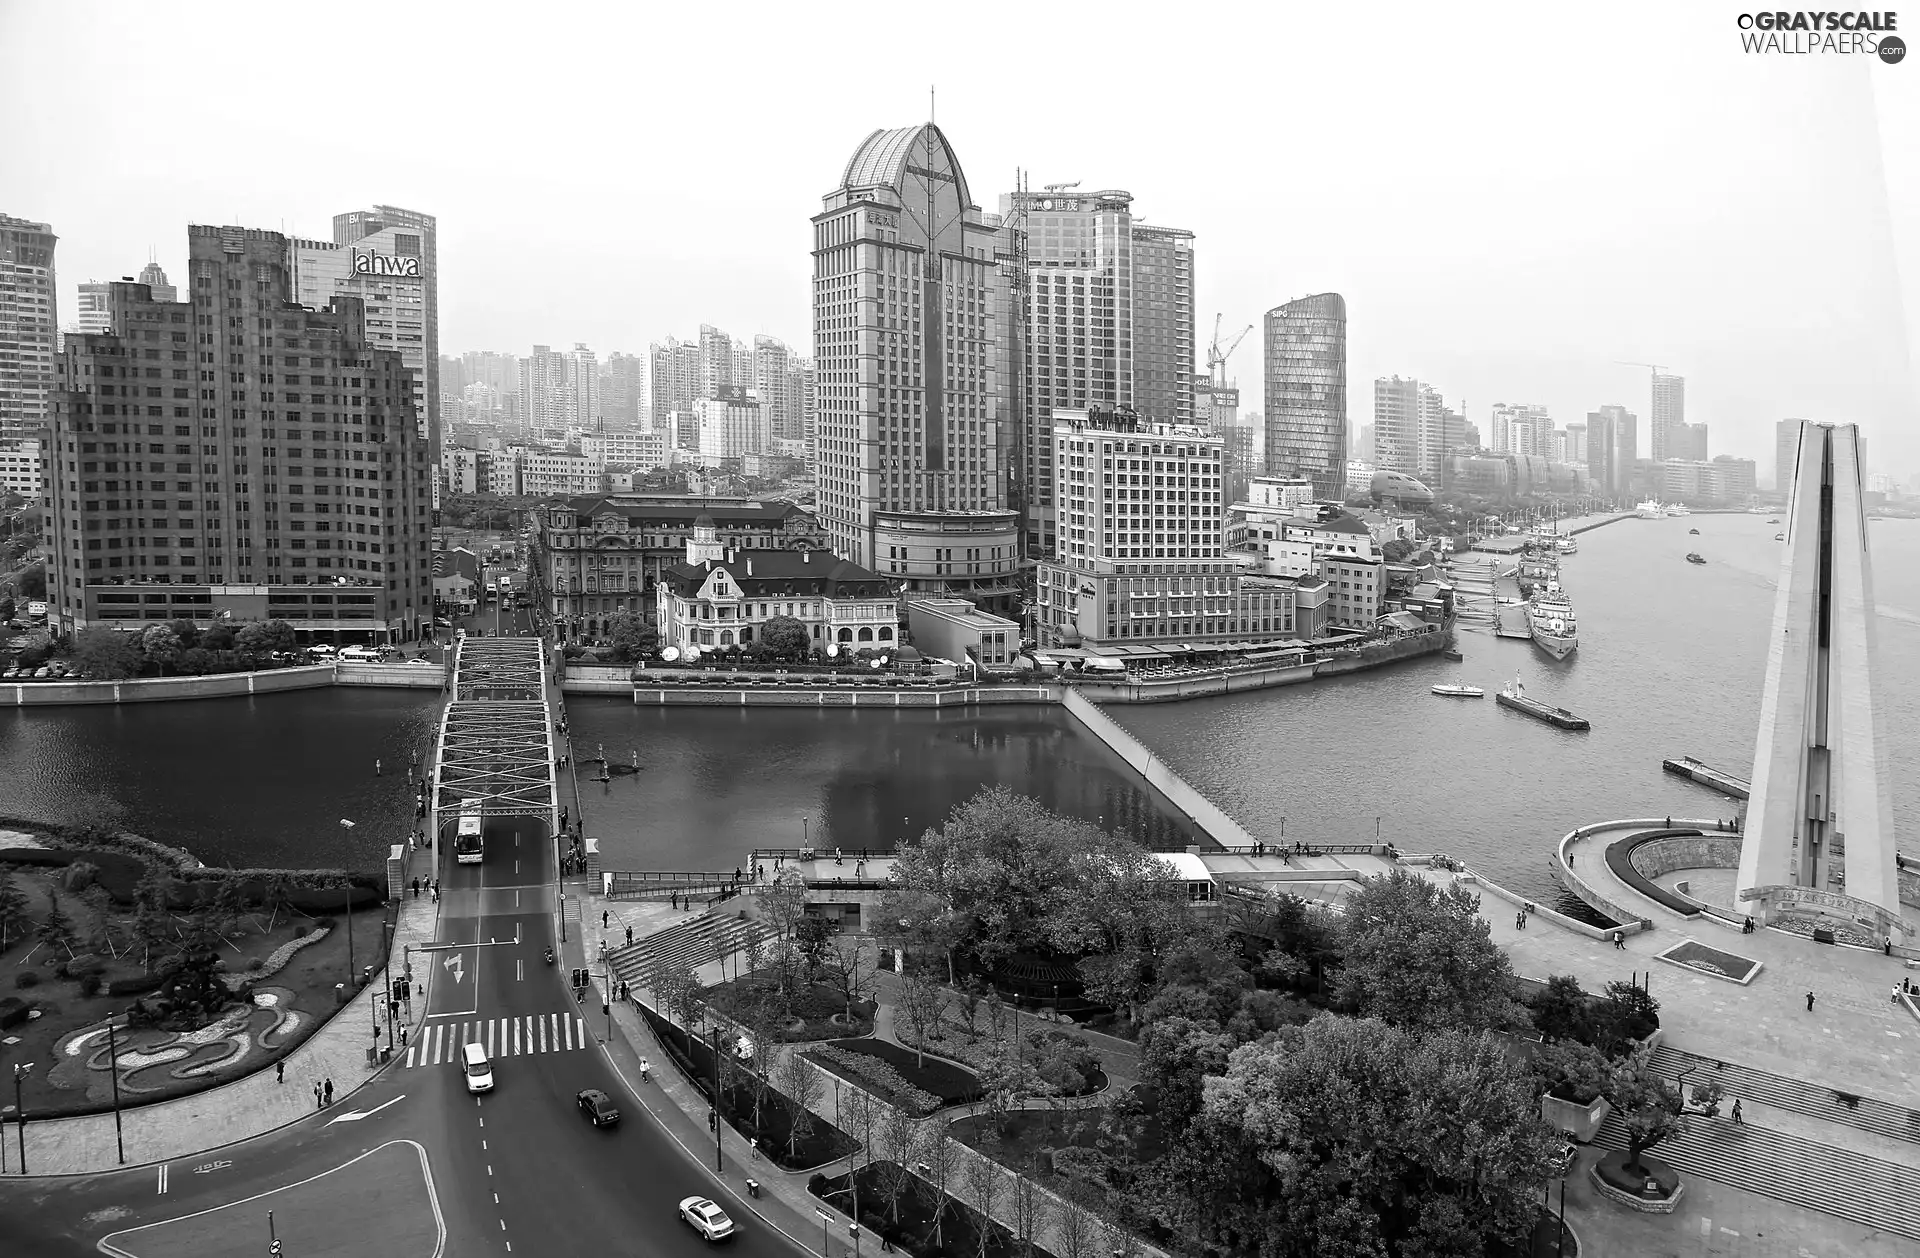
{"type": "Point", "coordinates": [1705, 774]}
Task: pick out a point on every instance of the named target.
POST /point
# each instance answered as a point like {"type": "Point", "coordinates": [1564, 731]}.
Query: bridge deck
{"type": "Point", "coordinates": [496, 739]}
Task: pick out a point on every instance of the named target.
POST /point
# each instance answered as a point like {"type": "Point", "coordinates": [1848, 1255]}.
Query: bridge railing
{"type": "Point", "coordinates": [642, 882]}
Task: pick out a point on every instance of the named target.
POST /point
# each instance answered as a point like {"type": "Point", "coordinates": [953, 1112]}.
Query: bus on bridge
{"type": "Point", "coordinates": [469, 845]}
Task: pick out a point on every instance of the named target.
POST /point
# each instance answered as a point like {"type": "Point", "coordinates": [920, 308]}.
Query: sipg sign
{"type": "Point", "coordinates": [382, 264]}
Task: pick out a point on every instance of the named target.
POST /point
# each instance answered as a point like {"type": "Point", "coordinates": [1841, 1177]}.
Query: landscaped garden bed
{"type": "Point", "coordinates": [909, 1221]}
{"type": "Point", "coordinates": [882, 1067]}
{"type": "Point", "coordinates": [811, 1012]}
{"type": "Point", "coordinates": [816, 1143]}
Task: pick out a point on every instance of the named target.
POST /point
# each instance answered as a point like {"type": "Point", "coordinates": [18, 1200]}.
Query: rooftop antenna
{"type": "Point", "coordinates": [932, 113]}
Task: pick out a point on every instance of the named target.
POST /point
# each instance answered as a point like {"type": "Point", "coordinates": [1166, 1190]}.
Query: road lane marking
{"type": "Point", "coordinates": [163, 1179]}
{"type": "Point", "coordinates": [354, 1116]}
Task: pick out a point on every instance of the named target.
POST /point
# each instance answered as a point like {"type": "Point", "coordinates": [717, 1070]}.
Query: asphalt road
{"type": "Point", "coordinates": [518, 1170]}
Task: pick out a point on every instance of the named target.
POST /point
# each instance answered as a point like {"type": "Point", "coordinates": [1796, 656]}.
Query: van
{"type": "Point", "coordinates": [479, 1071]}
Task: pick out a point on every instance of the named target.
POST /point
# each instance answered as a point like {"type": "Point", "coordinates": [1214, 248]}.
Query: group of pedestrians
{"type": "Point", "coordinates": [430, 885]}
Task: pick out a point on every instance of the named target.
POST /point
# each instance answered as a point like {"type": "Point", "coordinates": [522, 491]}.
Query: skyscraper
{"type": "Point", "coordinates": [623, 380]}
{"type": "Point", "coordinates": [156, 281]}
{"type": "Point", "coordinates": [912, 482]}
{"type": "Point", "coordinates": [1669, 413]}
{"type": "Point", "coordinates": [1109, 323]}
{"type": "Point", "coordinates": [308, 506]}
{"type": "Point", "coordinates": [673, 380]}
{"type": "Point", "coordinates": [402, 235]}
{"type": "Point", "coordinates": [1610, 448]}
{"type": "Point", "coordinates": [90, 312]}
{"type": "Point", "coordinates": [716, 361]}
{"type": "Point", "coordinates": [29, 325]}
{"type": "Point", "coordinates": [1306, 380]}
{"type": "Point", "coordinates": [1507, 414]}
{"type": "Point", "coordinates": [1413, 428]}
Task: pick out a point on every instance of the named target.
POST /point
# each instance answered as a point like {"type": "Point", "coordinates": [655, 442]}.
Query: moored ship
{"type": "Point", "coordinates": [1551, 624]}
{"type": "Point", "coordinates": [1515, 696]}
{"type": "Point", "coordinates": [1650, 510]}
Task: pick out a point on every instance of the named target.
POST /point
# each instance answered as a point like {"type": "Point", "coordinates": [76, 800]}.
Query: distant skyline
{"type": "Point", "coordinates": [1504, 222]}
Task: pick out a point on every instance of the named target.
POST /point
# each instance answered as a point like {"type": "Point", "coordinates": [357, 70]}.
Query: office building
{"type": "Point", "coordinates": [1532, 423]}
{"type": "Point", "coordinates": [627, 451]}
{"type": "Point", "coordinates": [1669, 415]}
{"type": "Point", "coordinates": [731, 425]}
{"type": "Point", "coordinates": [1725, 480]}
{"type": "Point", "coordinates": [1687, 441]}
{"type": "Point", "coordinates": [1305, 361]}
{"type": "Point", "coordinates": [601, 556]}
{"type": "Point", "coordinates": [1139, 528]}
{"type": "Point", "coordinates": [1573, 448]}
{"type": "Point", "coordinates": [1099, 314]}
{"type": "Point", "coordinates": [960, 633]}
{"type": "Point", "coordinates": [23, 466]}
{"type": "Point", "coordinates": [90, 312]}
{"type": "Point", "coordinates": [29, 325]}
{"type": "Point", "coordinates": [297, 490]}
{"type": "Point", "coordinates": [388, 237]}
{"type": "Point", "coordinates": [1611, 449]}
{"type": "Point", "coordinates": [385, 270]}
{"type": "Point", "coordinates": [908, 442]}
{"type": "Point", "coordinates": [553, 405]}
{"type": "Point", "coordinates": [156, 281]}
{"type": "Point", "coordinates": [1412, 428]}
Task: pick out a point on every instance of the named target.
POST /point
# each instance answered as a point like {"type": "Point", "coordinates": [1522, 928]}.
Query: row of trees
{"type": "Point", "coordinates": [178, 647]}
{"type": "Point", "coordinates": [1326, 1085]}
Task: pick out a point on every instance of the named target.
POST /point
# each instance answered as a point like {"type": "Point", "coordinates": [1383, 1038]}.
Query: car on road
{"type": "Point", "coordinates": [598, 1107]}
{"type": "Point", "coordinates": [706, 1218]}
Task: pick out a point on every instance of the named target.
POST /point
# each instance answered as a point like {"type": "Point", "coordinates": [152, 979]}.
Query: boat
{"type": "Point", "coordinates": [1775, 520]}
{"type": "Point", "coordinates": [1515, 696]}
{"type": "Point", "coordinates": [1694, 532]}
{"type": "Point", "coordinates": [1453, 653]}
{"type": "Point", "coordinates": [1458, 692]}
{"type": "Point", "coordinates": [1679, 509]}
{"type": "Point", "coordinates": [1569, 547]}
{"type": "Point", "coordinates": [1550, 622]}
{"type": "Point", "coordinates": [1779, 537]}
{"type": "Point", "coordinates": [1694, 556]}
{"type": "Point", "coordinates": [1650, 510]}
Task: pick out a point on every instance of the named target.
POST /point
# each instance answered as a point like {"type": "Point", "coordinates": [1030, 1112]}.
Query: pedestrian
{"type": "Point", "coordinates": [329, 1091]}
{"type": "Point", "coordinates": [836, 857]}
{"type": "Point", "coordinates": [629, 935]}
{"type": "Point", "coordinates": [403, 1037]}
{"type": "Point", "coordinates": [416, 888]}
{"type": "Point", "coordinates": [316, 1094]}
{"type": "Point", "coordinates": [1809, 1002]}
{"type": "Point", "coordinates": [603, 919]}
{"type": "Point", "coordinates": [673, 897]}
{"type": "Point", "coordinates": [1888, 946]}
{"type": "Point", "coordinates": [1737, 1120]}
{"type": "Point", "coordinates": [280, 1071]}
{"type": "Point", "coordinates": [1619, 941]}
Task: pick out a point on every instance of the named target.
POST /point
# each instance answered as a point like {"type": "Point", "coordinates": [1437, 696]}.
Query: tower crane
{"type": "Point", "coordinates": [1656, 367]}
{"type": "Point", "coordinates": [1217, 357]}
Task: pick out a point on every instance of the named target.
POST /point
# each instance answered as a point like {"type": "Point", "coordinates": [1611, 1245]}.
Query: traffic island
{"type": "Point", "coordinates": [1650, 1186]}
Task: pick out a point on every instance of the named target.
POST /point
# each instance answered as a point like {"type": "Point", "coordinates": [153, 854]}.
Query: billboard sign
{"type": "Point", "coordinates": [384, 264]}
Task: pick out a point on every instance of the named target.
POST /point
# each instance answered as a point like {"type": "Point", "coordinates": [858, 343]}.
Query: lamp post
{"type": "Point", "coordinates": [113, 1073]}
{"type": "Point", "coordinates": [20, 1069]}
{"type": "Point", "coordinates": [826, 1222]}
{"type": "Point", "coordinates": [713, 1038]}
{"type": "Point", "coordinates": [347, 913]}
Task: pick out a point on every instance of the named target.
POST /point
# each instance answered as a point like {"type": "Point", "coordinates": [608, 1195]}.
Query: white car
{"type": "Point", "coordinates": [706, 1218]}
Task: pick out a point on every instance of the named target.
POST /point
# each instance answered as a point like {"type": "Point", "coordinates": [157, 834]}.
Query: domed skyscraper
{"type": "Point", "coordinates": [912, 432]}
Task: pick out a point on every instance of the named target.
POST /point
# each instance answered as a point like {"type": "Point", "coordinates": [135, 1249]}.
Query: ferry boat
{"type": "Point", "coordinates": [1550, 622]}
{"type": "Point", "coordinates": [1458, 692]}
{"type": "Point", "coordinates": [1650, 510]}
{"type": "Point", "coordinates": [1515, 696]}
{"type": "Point", "coordinates": [1774, 520]}
{"type": "Point", "coordinates": [1679, 509]}
{"type": "Point", "coordinates": [1694, 532]}
{"type": "Point", "coordinates": [1568, 546]}
{"type": "Point", "coordinates": [1694, 556]}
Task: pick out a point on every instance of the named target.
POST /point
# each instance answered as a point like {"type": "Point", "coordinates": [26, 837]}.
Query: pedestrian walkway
{"type": "Point", "coordinates": [439, 1043]}
{"type": "Point", "coordinates": [252, 1104]}
{"type": "Point", "coordinates": [687, 945]}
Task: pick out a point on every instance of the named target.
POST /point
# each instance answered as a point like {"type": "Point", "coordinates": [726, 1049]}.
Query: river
{"type": "Point", "coordinates": [1670, 663]}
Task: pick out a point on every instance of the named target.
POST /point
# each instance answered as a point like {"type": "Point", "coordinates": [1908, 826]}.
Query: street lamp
{"type": "Point", "coordinates": [347, 914]}
{"type": "Point", "coordinates": [113, 1073]}
{"type": "Point", "coordinates": [20, 1069]}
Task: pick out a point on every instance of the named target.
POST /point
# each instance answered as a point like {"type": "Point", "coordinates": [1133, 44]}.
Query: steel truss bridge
{"type": "Point", "coordinates": [496, 740]}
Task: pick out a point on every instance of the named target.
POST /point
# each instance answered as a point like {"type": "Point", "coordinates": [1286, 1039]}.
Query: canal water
{"type": "Point", "coordinates": [1670, 663]}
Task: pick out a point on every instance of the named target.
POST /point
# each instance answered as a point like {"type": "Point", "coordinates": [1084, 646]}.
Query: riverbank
{"type": "Point", "coordinates": [413, 676]}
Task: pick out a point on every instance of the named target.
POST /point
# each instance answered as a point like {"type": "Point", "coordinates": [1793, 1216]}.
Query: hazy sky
{"type": "Point", "coordinates": [1511, 197]}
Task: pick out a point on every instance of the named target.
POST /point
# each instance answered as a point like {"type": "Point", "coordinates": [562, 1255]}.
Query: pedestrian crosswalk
{"type": "Point", "coordinates": [440, 1042]}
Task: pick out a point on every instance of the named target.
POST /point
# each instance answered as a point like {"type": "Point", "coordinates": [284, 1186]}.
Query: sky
{"type": "Point", "coordinates": [1513, 199]}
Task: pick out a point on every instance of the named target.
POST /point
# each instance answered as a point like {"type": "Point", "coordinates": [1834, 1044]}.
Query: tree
{"type": "Point", "coordinates": [13, 910]}
{"type": "Point", "coordinates": [984, 1181]}
{"type": "Point", "coordinates": [106, 653]}
{"type": "Point", "coordinates": [1378, 1140]}
{"type": "Point", "coordinates": [1654, 1109]}
{"type": "Point", "coordinates": [924, 1001]}
{"type": "Point", "coordinates": [1176, 1056]}
{"type": "Point", "coordinates": [849, 963]}
{"type": "Point", "coordinates": [1077, 1231]}
{"type": "Point", "coordinates": [57, 930]}
{"type": "Point", "coordinates": [161, 646]}
{"type": "Point", "coordinates": [1625, 1014]}
{"type": "Point", "coordinates": [800, 1083]}
{"type": "Point", "coordinates": [198, 661]}
{"type": "Point", "coordinates": [264, 637]}
{"type": "Point", "coordinates": [858, 1110]}
{"type": "Point", "coordinates": [813, 937]}
{"type": "Point", "coordinates": [939, 1165]}
{"type": "Point", "coordinates": [898, 1130]}
{"type": "Point", "coordinates": [686, 991]}
{"type": "Point", "coordinates": [1007, 1079]}
{"type": "Point", "coordinates": [1417, 955]}
{"type": "Point", "coordinates": [1560, 1010]}
{"type": "Point", "coordinates": [631, 636]}
{"type": "Point", "coordinates": [785, 636]}
{"type": "Point", "coordinates": [1396, 550]}
{"type": "Point", "coordinates": [783, 900]}
{"type": "Point", "coordinates": [33, 582]}
{"type": "Point", "coordinates": [1029, 1209]}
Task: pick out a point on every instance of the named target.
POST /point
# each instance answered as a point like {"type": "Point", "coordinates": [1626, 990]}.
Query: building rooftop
{"type": "Point", "coordinates": [769, 572]}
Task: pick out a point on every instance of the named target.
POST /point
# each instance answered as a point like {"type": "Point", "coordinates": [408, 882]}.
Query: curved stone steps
{"type": "Point", "coordinates": [1782, 1092]}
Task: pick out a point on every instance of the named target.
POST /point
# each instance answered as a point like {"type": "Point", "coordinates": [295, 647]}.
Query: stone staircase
{"type": "Point", "coordinates": [690, 944]}
{"type": "Point", "coordinates": [1805, 1173]}
{"type": "Point", "coordinates": [1868, 1113]}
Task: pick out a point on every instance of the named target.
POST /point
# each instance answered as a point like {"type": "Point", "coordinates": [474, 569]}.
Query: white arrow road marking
{"type": "Point", "coordinates": [356, 1115]}
{"type": "Point", "coordinates": [453, 963]}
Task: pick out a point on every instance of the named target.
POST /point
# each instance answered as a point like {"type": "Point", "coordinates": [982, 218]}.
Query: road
{"type": "Point", "coordinates": [518, 1170]}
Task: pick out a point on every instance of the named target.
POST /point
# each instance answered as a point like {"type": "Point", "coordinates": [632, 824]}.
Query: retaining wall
{"type": "Point", "coordinates": [1706, 851]}
{"type": "Point", "coordinates": [410, 676]}
{"type": "Point", "coordinates": [1564, 875]}
{"type": "Point", "coordinates": [1385, 653]}
{"type": "Point", "coordinates": [836, 697]}
{"type": "Point", "coordinates": [154, 689]}
{"type": "Point", "coordinates": [1203, 812]}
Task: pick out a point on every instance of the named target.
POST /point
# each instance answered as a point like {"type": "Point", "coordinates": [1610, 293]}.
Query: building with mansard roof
{"type": "Point", "coordinates": [720, 596]}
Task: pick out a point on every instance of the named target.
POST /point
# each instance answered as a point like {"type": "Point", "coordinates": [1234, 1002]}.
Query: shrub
{"type": "Point", "coordinates": [138, 985]}
{"type": "Point", "coordinates": [34, 856]}
{"type": "Point", "coordinates": [817, 1184]}
{"type": "Point", "coordinates": [90, 983]}
{"type": "Point", "coordinates": [324, 923]}
{"type": "Point", "coordinates": [255, 964]}
{"type": "Point", "coordinates": [26, 978]}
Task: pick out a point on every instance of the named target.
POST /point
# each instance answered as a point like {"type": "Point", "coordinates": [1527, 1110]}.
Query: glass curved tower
{"type": "Point", "coordinates": [1306, 392]}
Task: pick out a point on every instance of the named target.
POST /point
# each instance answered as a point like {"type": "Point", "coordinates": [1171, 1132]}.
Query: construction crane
{"type": "Point", "coordinates": [1217, 357]}
{"type": "Point", "coordinates": [1059, 187]}
{"type": "Point", "coordinates": [1657, 368]}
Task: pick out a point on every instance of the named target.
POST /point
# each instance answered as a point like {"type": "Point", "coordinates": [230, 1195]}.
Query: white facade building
{"type": "Point", "coordinates": [731, 425]}
{"type": "Point", "coordinates": [29, 326]}
{"type": "Point", "coordinates": [23, 468]}
{"type": "Point", "coordinates": [388, 274]}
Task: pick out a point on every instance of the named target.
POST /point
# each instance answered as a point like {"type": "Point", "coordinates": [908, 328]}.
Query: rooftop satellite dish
{"type": "Point", "coordinates": [876, 663]}
{"type": "Point", "coordinates": [671, 654]}
{"type": "Point", "coordinates": [833, 649]}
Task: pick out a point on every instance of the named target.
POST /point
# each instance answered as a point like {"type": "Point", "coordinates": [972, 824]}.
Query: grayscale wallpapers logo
{"type": "Point", "coordinates": [1808, 34]}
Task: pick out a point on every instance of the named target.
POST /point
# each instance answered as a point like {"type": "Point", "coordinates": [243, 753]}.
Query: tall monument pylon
{"type": "Point", "coordinates": [1819, 832]}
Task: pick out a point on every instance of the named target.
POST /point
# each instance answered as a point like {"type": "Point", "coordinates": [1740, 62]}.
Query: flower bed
{"type": "Point", "coordinates": [894, 1074]}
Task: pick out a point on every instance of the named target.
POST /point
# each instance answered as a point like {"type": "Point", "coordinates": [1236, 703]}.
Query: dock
{"type": "Point", "coordinates": [1705, 774]}
{"type": "Point", "coordinates": [1510, 621]}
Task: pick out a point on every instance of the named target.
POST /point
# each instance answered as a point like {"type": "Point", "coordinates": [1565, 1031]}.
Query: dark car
{"type": "Point", "coordinates": [598, 1107]}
